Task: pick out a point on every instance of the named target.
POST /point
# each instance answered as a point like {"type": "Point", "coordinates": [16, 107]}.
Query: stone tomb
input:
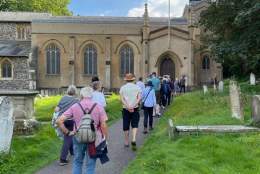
{"type": "Point", "coordinates": [7, 124]}
{"type": "Point", "coordinates": [235, 100]}
{"type": "Point", "coordinates": [256, 110]}
{"type": "Point", "coordinates": [252, 79]}
{"type": "Point", "coordinates": [23, 113]}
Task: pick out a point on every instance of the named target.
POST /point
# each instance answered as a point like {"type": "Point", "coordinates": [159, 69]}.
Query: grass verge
{"type": "Point", "coordinates": [201, 154]}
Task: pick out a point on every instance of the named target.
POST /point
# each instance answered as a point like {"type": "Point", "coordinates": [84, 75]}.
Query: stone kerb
{"type": "Point", "coordinates": [7, 123]}
{"type": "Point", "coordinates": [235, 101]}
{"type": "Point", "coordinates": [256, 111]}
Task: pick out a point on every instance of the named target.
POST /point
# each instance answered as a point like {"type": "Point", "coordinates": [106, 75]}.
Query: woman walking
{"type": "Point", "coordinates": [65, 103]}
{"type": "Point", "coordinates": [149, 102]}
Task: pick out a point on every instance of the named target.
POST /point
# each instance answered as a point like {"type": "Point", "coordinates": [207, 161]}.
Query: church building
{"type": "Point", "coordinates": [72, 49]}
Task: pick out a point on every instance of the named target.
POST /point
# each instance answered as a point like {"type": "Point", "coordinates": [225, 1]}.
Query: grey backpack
{"type": "Point", "coordinates": [86, 132]}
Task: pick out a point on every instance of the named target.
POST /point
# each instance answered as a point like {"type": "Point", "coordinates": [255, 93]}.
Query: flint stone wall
{"type": "Point", "coordinates": [8, 30]}
{"type": "Point", "coordinates": [20, 79]}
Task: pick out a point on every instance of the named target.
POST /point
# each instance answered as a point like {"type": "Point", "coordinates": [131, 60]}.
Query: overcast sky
{"type": "Point", "coordinates": [126, 7]}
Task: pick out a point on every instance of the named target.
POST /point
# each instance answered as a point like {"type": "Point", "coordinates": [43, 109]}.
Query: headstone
{"type": "Point", "coordinates": [221, 86]}
{"type": "Point", "coordinates": [252, 79]}
{"type": "Point", "coordinates": [215, 87]}
{"type": "Point", "coordinates": [236, 106]}
{"type": "Point", "coordinates": [7, 124]}
{"type": "Point", "coordinates": [205, 89]}
{"type": "Point", "coordinates": [256, 110]}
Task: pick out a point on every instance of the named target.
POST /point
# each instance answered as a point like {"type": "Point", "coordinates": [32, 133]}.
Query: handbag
{"type": "Point", "coordinates": [142, 104]}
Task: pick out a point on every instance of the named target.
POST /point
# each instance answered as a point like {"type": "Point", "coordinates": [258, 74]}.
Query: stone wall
{"type": "Point", "coordinates": [8, 30]}
{"type": "Point", "coordinates": [20, 79]}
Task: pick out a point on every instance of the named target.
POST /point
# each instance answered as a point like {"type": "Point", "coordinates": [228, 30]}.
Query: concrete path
{"type": "Point", "coordinates": [118, 154]}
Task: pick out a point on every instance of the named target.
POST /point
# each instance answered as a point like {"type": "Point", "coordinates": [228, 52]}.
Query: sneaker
{"type": "Point", "coordinates": [63, 162]}
{"type": "Point", "coordinates": [134, 148]}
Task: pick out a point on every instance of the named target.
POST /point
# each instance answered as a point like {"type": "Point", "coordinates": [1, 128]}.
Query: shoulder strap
{"type": "Point", "coordinates": [92, 108]}
{"type": "Point", "coordinates": [81, 108]}
{"type": "Point", "coordinates": [148, 94]}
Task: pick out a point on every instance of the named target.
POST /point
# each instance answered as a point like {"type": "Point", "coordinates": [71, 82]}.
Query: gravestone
{"type": "Point", "coordinates": [7, 124]}
{"type": "Point", "coordinates": [235, 100]}
{"type": "Point", "coordinates": [215, 87]}
{"type": "Point", "coordinates": [221, 86]}
{"type": "Point", "coordinates": [252, 79]}
{"type": "Point", "coordinates": [205, 89]}
{"type": "Point", "coordinates": [256, 110]}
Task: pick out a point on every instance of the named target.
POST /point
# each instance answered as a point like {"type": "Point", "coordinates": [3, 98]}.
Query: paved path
{"type": "Point", "coordinates": [118, 154]}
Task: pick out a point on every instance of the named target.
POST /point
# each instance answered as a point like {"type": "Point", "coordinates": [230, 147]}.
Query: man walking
{"type": "Point", "coordinates": [130, 95]}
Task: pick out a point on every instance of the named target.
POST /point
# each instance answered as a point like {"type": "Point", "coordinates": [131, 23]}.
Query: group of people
{"type": "Point", "coordinates": [71, 115]}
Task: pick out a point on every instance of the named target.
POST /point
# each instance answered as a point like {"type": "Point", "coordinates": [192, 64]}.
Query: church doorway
{"type": "Point", "coordinates": [167, 67]}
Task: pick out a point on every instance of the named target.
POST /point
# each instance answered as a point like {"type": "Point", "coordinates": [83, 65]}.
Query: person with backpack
{"type": "Point", "coordinates": [165, 91]}
{"type": "Point", "coordinates": [65, 103]}
{"type": "Point", "coordinates": [89, 132]}
{"type": "Point", "coordinates": [148, 102]}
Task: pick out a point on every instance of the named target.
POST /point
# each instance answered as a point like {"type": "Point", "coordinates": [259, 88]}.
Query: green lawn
{"type": "Point", "coordinates": [32, 153]}
{"type": "Point", "coordinates": [201, 154]}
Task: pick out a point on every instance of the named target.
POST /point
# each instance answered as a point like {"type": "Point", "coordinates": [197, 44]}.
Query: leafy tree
{"type": "Point", "coordinates": [234, 35]}
{"type": "Point", "coordinates": [56, 7]}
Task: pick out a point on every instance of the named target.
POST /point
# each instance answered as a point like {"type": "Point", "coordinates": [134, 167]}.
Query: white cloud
{"type": "Point", "coordinates": [159, 8]}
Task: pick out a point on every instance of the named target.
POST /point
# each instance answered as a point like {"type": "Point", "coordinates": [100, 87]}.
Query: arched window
{"type": "Point", "coordinates": [205, 62]}
{"type": "Point", "coordinates": [127, 60]}
{"type": "Point", "coordinates": [6, 67]}
{"type": "Point", "coordinates": [90, 60]}
{"type": "Point", "coordinates": [53, 59]}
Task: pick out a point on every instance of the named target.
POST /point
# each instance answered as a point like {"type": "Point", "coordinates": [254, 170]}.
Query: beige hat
{"type": "Point", "coordinates": [129, 77]}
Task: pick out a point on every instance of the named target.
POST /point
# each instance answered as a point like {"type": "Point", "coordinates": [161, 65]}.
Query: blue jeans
{"type": "Point", "coordinates": [80, 151]}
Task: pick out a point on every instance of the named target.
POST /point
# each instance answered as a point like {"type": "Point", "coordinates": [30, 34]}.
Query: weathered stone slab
{"type": "Point", "coordinates": [252, 79]}
{"type": "Point", "coordinates": [216, 129]}
{"type": "Point", "coordinates": [221, 86]}
{"type": "Point", "coordinates": [205, 89]}
{"type": "Point", "coordinates": [7, 124]}
{"type": "Point", "coordinates": [256, 110]}
{"type": "Point", "coordinates": [236, 105]}
{"type": "Point", "coordinates": [171, 129]}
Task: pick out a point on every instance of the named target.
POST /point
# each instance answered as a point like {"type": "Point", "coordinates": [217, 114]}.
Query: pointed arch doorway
{"type": "Point", "coordinates": [167, 67]}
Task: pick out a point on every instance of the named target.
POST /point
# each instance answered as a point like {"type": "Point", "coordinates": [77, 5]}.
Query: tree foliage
{"type": "Point", "coordinates": [56, 7]}
{"type": "Point", "coordinates": [234, 35]}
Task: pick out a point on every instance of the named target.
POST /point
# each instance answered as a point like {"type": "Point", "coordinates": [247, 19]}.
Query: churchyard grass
{"type": "Point", "coordinates": [199, 154]}
{"type": "Point", "coordinates": [32, 153]}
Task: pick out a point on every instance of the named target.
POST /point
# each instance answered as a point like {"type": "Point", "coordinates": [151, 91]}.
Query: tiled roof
{"type": "Point", "coordinates": [109, 20]}
{"type": "Point", "coordinates": [22, 16]}
{"type": "Point", "coordinates": [11, 48]}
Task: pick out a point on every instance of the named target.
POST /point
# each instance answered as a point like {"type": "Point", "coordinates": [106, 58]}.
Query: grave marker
{"type": "Point", "coordinates": [256, 110]}
{"type": "Point", "coordinates": [252, 79]}
{"type": "Point", "coordinates": [236, 106]}
{"type": "Point", "coordinates": [7, 124]}
{"type": "Point", "coordinates": [221, 86]}
{"type": "Point", "coordinates": [205, 89]}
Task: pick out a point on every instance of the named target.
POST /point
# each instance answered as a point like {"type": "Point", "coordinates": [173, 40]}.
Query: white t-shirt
{"type": "Point", "coordinates": [99, 98]}
{"type": "Point", "coordinates": [129, 92]}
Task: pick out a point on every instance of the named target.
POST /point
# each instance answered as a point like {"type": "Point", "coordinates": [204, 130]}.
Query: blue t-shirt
{"type": "Point", "coordinates": [156, 83]}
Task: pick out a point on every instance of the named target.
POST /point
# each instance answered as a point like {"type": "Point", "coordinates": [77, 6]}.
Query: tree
{"type": "Point", "coordinates": [234, 35]}
{"type": "Point", "coordinates": [56, 7]}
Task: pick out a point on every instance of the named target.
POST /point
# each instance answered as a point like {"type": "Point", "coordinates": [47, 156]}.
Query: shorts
{"type": "Point", "coordinates": [130, 119]}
